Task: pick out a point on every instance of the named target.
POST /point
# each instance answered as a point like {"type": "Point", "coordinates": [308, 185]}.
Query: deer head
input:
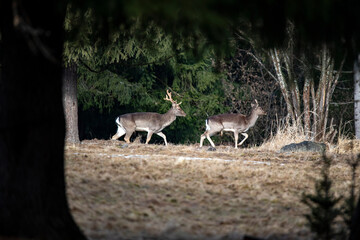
{"type": "Point", "coordinates": [256, 109]}
{"type": "Point", "coordinates": [175, 106]}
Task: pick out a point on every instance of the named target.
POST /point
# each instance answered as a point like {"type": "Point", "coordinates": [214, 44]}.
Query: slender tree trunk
{"type": "Point", "coordinates": [320, 95]}
{"type": "Point", "coordinates": [293, 87]}
{"type": "Point", "coordinates": [306, 101]}
{"type": "Point", "coordinates": [357, 96]}
{"type": "Point", "coordinates": [70, 103]}
{"type": "Point", "coordinates": [329, 76]}
{"type": "Point", "coordinates": [33, 201]}
{"type": "Point", "coordinates": [315, 117]}
{"type": "Point", "coordinates": [280, 78]}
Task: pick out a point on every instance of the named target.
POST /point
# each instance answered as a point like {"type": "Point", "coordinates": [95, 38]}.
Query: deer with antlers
{"type": "Point", "coordinates": [236, 123]}
{"type": "Point", "coordinates": [148, 121]}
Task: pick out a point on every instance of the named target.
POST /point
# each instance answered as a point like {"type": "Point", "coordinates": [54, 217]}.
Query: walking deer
{"type": "Point", "coordinates": [237, 123]}
{"type": "Point", "coordinates": [148, 121]}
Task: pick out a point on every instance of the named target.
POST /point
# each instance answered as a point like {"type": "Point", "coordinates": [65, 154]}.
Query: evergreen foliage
{"type": "Point", "coordinates": [326, 209]}
{"type": "Point", "coordinates": [132, 70]}
{"type": "Point", "coordinates": [323, 205]}
{"type": "Point", "coordinates": [349, 204]}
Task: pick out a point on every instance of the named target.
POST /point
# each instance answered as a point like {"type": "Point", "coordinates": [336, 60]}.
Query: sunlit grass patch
{"type": "Point", "coordinates": [156, 191]}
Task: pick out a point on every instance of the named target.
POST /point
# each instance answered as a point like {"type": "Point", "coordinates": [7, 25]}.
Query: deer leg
{"type": "Point", "coordinates": [211, 129]}
{"type": "Point", "coordinates": [203, 136]}
{"type": "Point", "coordinates": [246, 136]}
{"type": "Point", "coordinates": [148, 137]}
{"type": "Point", "coordinates": [128, 135]}
{"type": "Point", "coordinates": [119, 133]}
{"type": "Point", "coordinates": [236, 136]}
{"type": "Point", "coordinates": [163, 136]}
{"type": "Point", "coordinates": [208, 138]}
{"type": "Point", "coordinates": [206, 135]}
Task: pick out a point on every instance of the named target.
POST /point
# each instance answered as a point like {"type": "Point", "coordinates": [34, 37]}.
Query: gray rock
{"type": "Point", "coordinates": [305, 146]}
{"type": "Point", "coordinates": [125, 145]}
{"type": "Point", "coordinates": [211, 149]}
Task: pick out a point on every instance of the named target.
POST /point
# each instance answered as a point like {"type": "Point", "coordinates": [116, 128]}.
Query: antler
{"type": "Point", "coordinates": [169, 98]}
{"type": "Point", "coordinates": [255, 105]}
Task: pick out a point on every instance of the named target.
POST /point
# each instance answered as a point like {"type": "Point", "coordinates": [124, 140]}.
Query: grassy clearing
{"type": "Point", "coordinates": [285, 134]}
{"type": "Point", "coordinates": [143, 191]}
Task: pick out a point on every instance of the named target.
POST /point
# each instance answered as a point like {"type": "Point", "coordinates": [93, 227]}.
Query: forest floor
{"type": "Point", "coordinates": [137, 191]}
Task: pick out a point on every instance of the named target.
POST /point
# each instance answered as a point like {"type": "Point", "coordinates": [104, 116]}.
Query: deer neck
{"type": "Point", "coordinates": [252, 118]}
{"type": "Point", "coordinates": [168, 117]}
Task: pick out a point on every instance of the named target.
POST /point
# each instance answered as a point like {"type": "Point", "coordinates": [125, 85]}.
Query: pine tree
{"type": "Point", "coordinates": [132, 69]}
{"type": "Point", "coordinates": [323, 206]}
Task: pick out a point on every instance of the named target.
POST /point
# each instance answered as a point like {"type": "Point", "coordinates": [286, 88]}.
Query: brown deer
{"type": "Point", "coordinates": [148, 121]}
{"type": "Point", "coordinates": [237, 123]}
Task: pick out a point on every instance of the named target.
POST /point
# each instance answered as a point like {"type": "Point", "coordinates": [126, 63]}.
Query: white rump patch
{"type": "Point", "coordinates": [118, 121]}
{"type": "Point", "coordinates": [207, 125]}
{"type": "Point", "coordinates": [120, 130]}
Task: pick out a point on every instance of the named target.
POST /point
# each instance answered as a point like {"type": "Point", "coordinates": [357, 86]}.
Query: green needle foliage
{"type": "Point", "coordinates": [323, 206]}
{"type": "Point", "coordinates": [330, 216]}
{"type": "Point", "coordinates": [131, 70]}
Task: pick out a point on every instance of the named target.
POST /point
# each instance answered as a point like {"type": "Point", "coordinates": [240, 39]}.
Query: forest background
{"type": "Point", "coordinates": [302, 87]}
{"type": "Point", "coordinates": [307, 78]}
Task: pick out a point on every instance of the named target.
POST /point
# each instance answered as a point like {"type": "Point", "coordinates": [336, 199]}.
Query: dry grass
{"type": "Point", "coordinates": [285, 134]}
{"type": "Point", "coordinates": [346, 145]}
{"type": "Point", "coordinates": [152, 191]}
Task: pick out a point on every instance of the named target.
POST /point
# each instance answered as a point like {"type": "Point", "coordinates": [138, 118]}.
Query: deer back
{"type": "Point", "coordinates": [151, 121]}
{"type": "Point", "coordinates": [229, 120]}
{"type": "Point", "coordinates": [145, 121]}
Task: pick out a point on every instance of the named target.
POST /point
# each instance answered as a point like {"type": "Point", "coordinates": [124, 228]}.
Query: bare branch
{"type": "Point", "coordinates": [342, 103]}
{"type": "Point", "coordinates": [260, 63]}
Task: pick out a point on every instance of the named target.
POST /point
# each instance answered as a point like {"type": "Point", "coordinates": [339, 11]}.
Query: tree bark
{"type": "Point", "coordinates": [70, 103]}
{"type": "Point", "coordinates": [293, 87]}
{"type": "Point", "coordinates": [355, 221]}
{"type": "Point", "coordinates": [280, 78]}
{"type": "Point", "coordinates": [315, 117]}
{"type": "Point", "coordinates": [33, 201]}
{"type": "Point", "coordinates": [320, 95]}
{"type": "Point", "coordinates": [306, 100]}
{"type": "Point", "coordinates": [357, 96]}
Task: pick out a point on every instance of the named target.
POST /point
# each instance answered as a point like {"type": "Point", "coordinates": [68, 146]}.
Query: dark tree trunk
{"type": "Point", "coordinates": [70, 103]}
{"type": "Point", "coordinates": [355, 223]}
{"type": "Point", "coordinates": [33, 201]}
